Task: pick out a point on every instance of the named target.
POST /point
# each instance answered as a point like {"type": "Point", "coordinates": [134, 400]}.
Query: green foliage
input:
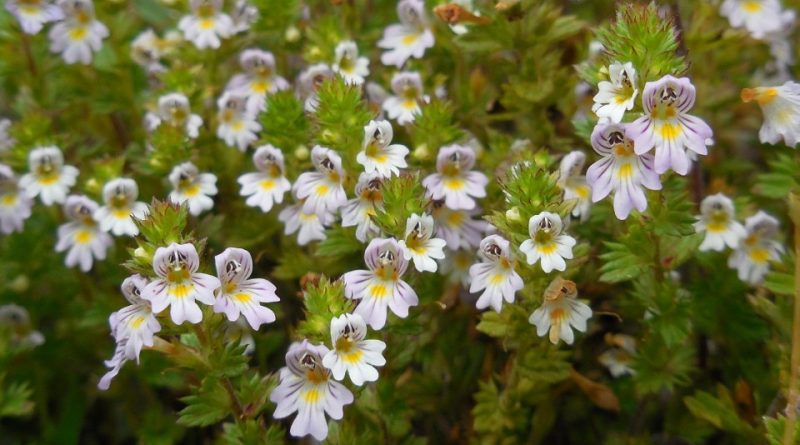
{"type": "Point", "coordinates": [208, 405]}
{"type": "Point", "coordinates": [323, 301]}
{"type": "Point", "coordinates": [15, 399]}
{"type": "Point", "coordinates": [340, 118]}
{"type": "Point", "coordinates": [285, 124]}
{"type": "Point", "coordinates": [402, 196]}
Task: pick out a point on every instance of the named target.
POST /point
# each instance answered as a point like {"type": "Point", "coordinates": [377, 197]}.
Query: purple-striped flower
{"type": "Point", "coordinates": [380, 286]}
{"type": "Point", "coordinates": [239, 294]}
{"type": "Point", "coordinates": [667, 126]}
{"type": "Point", "coordinates": [306, 387]}
{"type": "Point", "coordinates": [620, 170]}
{"type": "Point", "coordinates": [454, 180]}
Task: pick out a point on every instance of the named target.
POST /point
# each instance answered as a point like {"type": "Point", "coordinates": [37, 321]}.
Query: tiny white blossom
{"type": "Point", "coordinates": [618, 359]}
{"type": "Point", "coordinates": [309, 81]}
{"type": "Point", "coordinates": [378, 155]}
{"type": "Point", "coordinates": [192, 187]}
{"type": "Point", "coordinates": [32, 15]}
{"type": "Point", "coordinates": [457, 227]}
{"type": "Point", "coordinates": [119, 197]}
{"type": "Point", "coordinates": [80, 237]}
{"type": "Point", "coordinates": [258, 79]}
{"type": "Point", "coordinates": [239, 294]}
{"type": "Point", "coordinates": [206, 24]}
{"type": "Point", "coordinates": [618, 94]}
{"type": "Point", "coordinates": [244, 15]}
{"type": "Point", "coordinates": [781, 108]}
{"type": "Point", "coordinates": [560, 312]}
{"type": "Point", "coordinates": [409, 38]}
{"type": "Point", "coordinates": [237, 121]}
{"type": "Point", "coordinates": [717, 221]}
{"type": "Point", "coordinates": [548, 243]}
{"type": "Point", "coordinates": [48, 177]}
{"type": "Point", "coordinates": [758, 17]}
{"type": "Point", "coordinates": [352, 352]}
{"type": "Point", "coordinates": [574, 183]}
{"type": "Point", "coordinates": [15, 205]}
{"type": "Point", "coordinates": [418, 246]}
{"type": "Point", "coordinates": [267, 186]}
{"type": "Point", "coordinates": [495, 274]}
{"type": "Point", "coordinates": [404, 105]}
{"type": "Point", "coordinates": [359, 211]}
{"type": "Point", "coordinates": [135, 323]}
{"type": "Point", "coordinates": [752, 258]}
{"type": "Point", "coordinates": [323, 189]}
{"type": "Point", "coordinates": [80, 34]}
{"type": "Point", "coordinates": [454, 181]}
{"type": "Point", "coordinates": [6, 140]}
{"type": "Point", "coordinates": [349, 65]}
{"type": "Point", "coordinates": [174, 110]}
{"type": "Point", "coordinates": [310, 226]}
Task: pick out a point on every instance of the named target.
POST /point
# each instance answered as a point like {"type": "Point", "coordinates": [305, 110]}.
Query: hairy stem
{"type": "Point", "coordinates": [792, 393]}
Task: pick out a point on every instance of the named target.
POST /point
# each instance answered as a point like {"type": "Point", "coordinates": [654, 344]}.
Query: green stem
{"type": "Point", "coordinates": [792, 392]}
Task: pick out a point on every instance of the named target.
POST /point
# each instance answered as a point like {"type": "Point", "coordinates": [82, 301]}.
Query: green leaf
{"type": "Point", "coordinates": [15, 399]}
{"type": "Point", "coordinates": [207, 406]}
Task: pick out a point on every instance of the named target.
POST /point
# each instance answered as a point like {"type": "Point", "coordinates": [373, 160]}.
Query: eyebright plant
{"type": "Point", "coordinates": [404, 222]}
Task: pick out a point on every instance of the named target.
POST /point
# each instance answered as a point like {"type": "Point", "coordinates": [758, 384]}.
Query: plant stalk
{"type": "Point", "coordinates": [792, 394]}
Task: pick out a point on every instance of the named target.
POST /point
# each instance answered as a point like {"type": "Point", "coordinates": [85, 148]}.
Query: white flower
{"type": "Point", "coordinates": [81, 237]}
{"type": "Point", "coordinates": [79, 34]}
{"type": "Point", "coordinates": [48, 177]}
{"type": "Point", "coordinates": [114, 365]}
{"type": "Point", "coordinates": [135, 323]}
{"type": "Point", "coordinates": [174, 110]}
{"type": "Point", "coordinates": [239, 294]}
{"type": "Point", "coordinates": [207, 24]}
{"type": "Point", "coordinates": [306, 388]}
{"type": "Point", "coordinates": [119, 197]}
{"type": "Point", "coordinates": [147, 50]}
{"type": "Point", "coordinates": [717, 221]}
{"type": "Point", "coordinates": [781, 108]}
{"type": "Point", "coordinates": [618, 94]}
{"type": "Point", "coordinates": [352, 352]}
{"type": "Point", "coordinates": [192, 187]}
{"type": "Point", "coordinates": [351, 67]}
{"type": "Point", "coordinates": [751, 259]}
{"type": "Point", "coordinates": [244, 15]}
{"type": "Point", "coordinates": [454, 181]}
{"type": "Point", "coordinates": [547, 242]}
{"type": "Point", "coordinates": [309, 81]}
{"type": "Point", "coordinates": [404, 105]}
{"type": "Point", "coordinates": [560, 312]}
{"type": "Point", "coordinates": [418, 244]}
{"type": "Point", "coordinates": [179, 285]}
{"type": "Point", "coordinates": [33, 14]}
{"type": "Point", "coordinates": [495, 274]}
{"type": "Point", "coordinates": [409, 38]}
{"type": "Point", "coordinates": [378, 155]}
{"type": "Point", "coordinates": [619, 358]}
{"type": "Point", "coordinates": [237, 121]}
{"type": "Point", "coordinates": [259, 77]}
{"type": "Point", "coordinates": [21, 333]}
{"type": "Point", "coordinates": [457, 227]}
{"type": "Point", "coordinates": [455, 266]}
{"type": "Point", "coordinates": [759, 17]}
{"type": "Point", "coordinates": [574, 183]}
{"type": "Point", "coordinates": [267, 186]}
{"type": "Point", "coordinates": [359, 211]}
{"type": "Point", "coordinates": [323, 189]}
{"type": "Point", "coordinates": [6, 140]}
{"type": "Point", "coordinates": [309, 225]}
{"type": "Point", "coordinates": [381, 286]}
{"type": "Point", "coordinates": [15, 205]}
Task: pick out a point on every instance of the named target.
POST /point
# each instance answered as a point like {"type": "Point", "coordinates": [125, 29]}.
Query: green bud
{"type": "Point", "coordinates": [513, 214]}
{"type": "Point", "coordinates": [19, 284]}
{"type": "Point", "coordinates": [301, 152]}
{"type": "Point", "coordinates": [421, 152]}
{"type": "Point", "coordinates": [292, 34]}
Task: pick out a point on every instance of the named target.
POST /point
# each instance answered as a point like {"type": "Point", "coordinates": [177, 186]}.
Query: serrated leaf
{"type": "Point", "coordinates": [207, 406]}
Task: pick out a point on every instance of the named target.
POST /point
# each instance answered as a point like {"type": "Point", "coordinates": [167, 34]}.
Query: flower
{"type": "Point", "coordinates": [79, 34]}
{"type": "Point", "coordinates": [404, 105]}
{"type": "Point", "coordinates": [207, 24]}
{"type": "Point", "coordinates": [237, 121]}
{"type": "Point", "coordinates": [359, 211]}
{"type": "Point", "coordinates": [455, 266]}
{"type": "Point", "coordinates": [309, 225]}
{"type": "Point", "coordinates": [179, 285]}
{"type": "Point", "coordinates": [351, 67]}
{"type": "Point", "coordinates": [119, 196]}
{"type": "Point", "coordinates": [457, 227]}
{"type": "Point", "coordinates": [240, 294]}
{"type": "Point", "coordinates": [136, 322]}
{"type": "Point", "coordinates": [6, 140]}
{"type": "Point", "coordinates": [259, 77]}
{"type": "Point", "coordinates": [267, 186]}
{"type": "Point", "coordinates": [618, 359]}
{"type": "Point", "coordinates": [243, 16]}
{"type": "Point", "coordinates": [560, 312]}
{"type": "Point", "coordinates": [409, 38]}
{"type": "Point", "coordinates": [15, 205]}
{"type": "Point", "coordinates": [192, 187]}
{"type": "Point", "coordinates": [418, 244]}
{"type": "Point", "coordinates": [352, 353]}
{"type": "Point", "coordinates": [147, 49]}
{"type": "Point", "coordinates": [16, 321]}
{"type": "Point", "coordinates": [454, 181]}
{"type": "Point", "coordinates": [323, 189]}
{"type": "Point", "coordinates": [617, 94]}
{"type": "Point", "coordinates": [381, 286]}
{"type": "Point", "coordinates": [667, 126]}
{"type": "Point", "coordinates": [495, 274]}
{"type": "Point", "coordinates": [81, 236]}
{"type": "Point", "coordinates": [716, 220]}
{"type": "Point", "coordinates": [781, 108]}
{"type": "Point", "coordinates": [378, 155]}
{"type": "Point", "coordinates": [306, 388]}
{"type": "Point", "coordinates": [174, 110]}
{"type": "Point", "coordinates": [574, 183]}
{"type": "Point", "coordinates": [48, 177]}
{"type": "Point", "coordinates": [33, 14]}
{"type": "Point", "coordinates": [114, 365]}
{"type": "Point", "coordinates": [759, 17]}
{"type": "Point", "coordinates": [309, 81]}
{"type": "Point", "coordinates": [759, 247]}
{"type": "Point", "coordinates": [620, 170]}
{"type": "Point", "coordinates": [547, 242]}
